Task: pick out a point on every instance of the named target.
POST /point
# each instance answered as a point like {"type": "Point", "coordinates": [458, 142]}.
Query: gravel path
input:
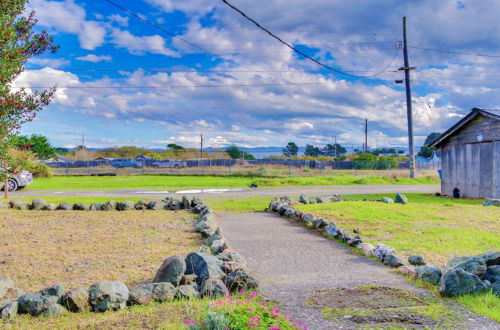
{"type": "Point", "coordinates": [291, 262]}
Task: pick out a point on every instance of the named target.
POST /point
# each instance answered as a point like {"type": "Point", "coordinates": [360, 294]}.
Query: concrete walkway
{"type": "Point", "coordinates": [291, 262]}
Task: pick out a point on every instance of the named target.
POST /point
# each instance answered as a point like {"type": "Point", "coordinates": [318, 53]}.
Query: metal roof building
{"type": "Point", "coordinates": [471, 155]}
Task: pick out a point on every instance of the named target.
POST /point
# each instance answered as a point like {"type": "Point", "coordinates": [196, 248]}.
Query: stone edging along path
{"type": "Point", "coordinates": [460, 276]}
{"type": "Point", "coordinates": [213, 270]}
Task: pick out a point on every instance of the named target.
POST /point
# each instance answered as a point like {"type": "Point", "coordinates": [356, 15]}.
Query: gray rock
{"type": "Point", "coordinates": [13, 293]}
{"type": "Point", "coordinates": [106, 295]}
{"type": "Point", "coordinates": [336, 198]}
{"type": "Point", "coordinates": [232, 262]}
{"type": "Point", "coordinates": [321, 200]}
{"type": "Point", "coordinates": [188, 279]}
{"type": "Point", "coordinates": [125, 206]}
{"type": "Point", "coordinates": [285, 208]}
{"type": "Point", "coordinates": [109, 206]}
{"type": "Point", "coordinates": [172, 204]}
{"type": "Point", "coordinates": [392, 261]}
{"type": "Point", "coordinates": [96, 206]}
{"type": "Point", "coordinates": [156, 205]}
{"type": "Point", "coordinates": [5, 285]}
{"type": "Point", "coordinates": [330, 230]}
{"type": "Point", "coordinates": [473, 265]}
{"type": "Point", "coordinates": [50, 207]}
{"type": "Point", "coordinates": [289, 212]}
{"type": "Point", "coordinates": [366, 249]}
{"type": "Point", "coordinates": [187, 292]}
{"type": "Point", "coordinates": [304, 199]}
{"type": "Point", "coordinates": [492, 273]}
{"type": "Point", "coordinates": [80, 207]}
{"type": "Point", "coordinates": [239, 280]}
{"type": "Point", "coordinates": [171, 270]}
{"type": "Point", "coordinates": [416, 260]}
{"type": "Point", "coordinates": [401, 199]}
{"type": "Point", "coordinates": [198, 208]}
{"type": "Point", "coordinates": [491, 202]}
{"type": "Point", "coordinates": [204, 211]}
{"type": "Point", "coordinates": [207, 225]}
{"type": "Point", "coordinates": [204, 249]}
{"type": "Point", "coordinates": [387, 200]}
{"type": "Point", "coordinates": [146, 293]}
{"type": "Point", "coordinates": [381, 250]}
{"type": "Point", "coordinates": [285, 200]}
{"type": "Point", "coordinates": [141, 205]}
{"type": "Point", "coordinates": [186, 202]}
{"type": "Point", "coordinates": [210, 239]}
{"type": "Point", "coordinates": [196, 201]}
{"type": "Point", "coordinates": [77, 300]}
{"type": "Point", "coordinates": [38, 204]}
{"type": "Point", "coordinates": [320, 223]}
{"type": "Point", "coordinates": [495, 288]}
{"type": "Point", "coordinates": [219, 245]}
{"type": "Point", "coordinates": [64, 206]}
{"type": "Point", "coordinates": [491, 258]}
{"type": "Point", "coordinates": [54, 310]}
{"type": "Point", "coordinates": [456, 282]}
{"type": "Point", "coordinates": [204, 266]}
{"type": "Point", "coordinates": [37, 302]}
{"type": "Point", "coordinates": [308, 218]}
{"type": "Point", "coordinates": [213, 288]}
{"type": "Point", "coordinates": [429, 273]}
{"type": "Point", "coordinates": [8, 310]}
{"type": "Point", "coordinates": [18, 205]}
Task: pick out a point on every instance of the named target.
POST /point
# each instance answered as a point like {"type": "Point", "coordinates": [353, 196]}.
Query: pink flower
{"type": "Point", "coordinates": [276, 315]}
{"type": "Point", "coordinates": [250, 309]}
{"type": "Point", "coordinates": [253, 325]}
{"type": "Point", "coordinates": [253, 294]}
{"type": "Point", "coordinates": [190, 322]}
{"type": "Point", "coordinates": [242, 291]}
{"type": "Point", "coordinates": [274, 328]}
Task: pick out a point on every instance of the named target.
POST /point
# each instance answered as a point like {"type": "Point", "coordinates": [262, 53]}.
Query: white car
{"type": "Point", "coordinates": [19, 181]}
{"type": "Point", "coordinates": [169, 163]}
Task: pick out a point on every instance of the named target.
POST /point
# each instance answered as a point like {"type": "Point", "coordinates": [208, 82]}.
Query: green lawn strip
{"type": "Point", "coordinates": [436, 227]}
{"type": "Point", "coordinates": [245, 204]}
{"type": "Point", "coordinates": [72, 200]}
{"type": "Point", "coordinates": [166, 181]}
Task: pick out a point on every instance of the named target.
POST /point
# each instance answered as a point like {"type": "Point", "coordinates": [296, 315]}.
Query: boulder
{"type": "Point", "coordinates": [321, 200]}
{"type": "Point", "coordinates": [50, 207]}
{"type": "Point", "coordinates": [308, 218]}
{"type": "Point", "coordinates": [64, 206]}
{"type": "Point", "coordinates": [204, 266]}
{"type": "Point", "coordinates": [198, 208]}
{"type": "Point", "coordinates": [8, 309]}
{"type": "Point", "coordinates": [38, 204]}
{"type": "Point", "coordinates": [77, 300]}
{"type": "Point", "coordinates": [37, 302]}
{"type": "Point", "coordinates": [336, 198]}
{"type": "Point", "coordinates": [204, 211]}
{"type": "Point", "coordinates": [106, 295]}
{"type": "Point", "coordinates": [387, 200]}
{"type": "Point", "coordinates": [141, 205]}
{"type": "Point", "coordinates": [492, 273]}
{"type": "Point", "coordinates": [289, 212]}
{"type": "Point", "coordinates": [239, 280]}
{"type": "Point", "coordinates": [80, 207]}
{"type": "Point", "coordinates": [146, 293]}
{"type": "Point", "coordinates": [125, 206]}
{"type": "Point", "coordinates": [188, 279]}
{"type": "Point", "coordinates": [473, 265]}
{"type": "Point", "coordinates": [330, 230]}
{"type": "Point", "coordinates": [456, 282]}
{"type": "Point", "coordinates": [13, 294]}
{"type": "Point", "coordinates": [172, 204]}
{"type": "Point", "coordinates": [495, 288]}
{"type": "Point", "coordinates": [285, 200]}
{"type": "Point", "coordinates": [320, 223]}
{"type": "Point", "coordinates": [491, 258]}
{"type": "Point", "coordinates": [171, 270]}
{"type": "Point", "coordinates": [109, 206]}
{"type": "Point", "coordinates": [392, 261]}
{"type": "Point", "coordinates": [196, 201]}
{"type": "Point", "coordinates": [429, 273]}
{"type": "Point", "coordinates": [54, 310]}
{"type": "Point", "coordinates": [304, 199]}
{"type": "Point", "coordinates": [232, 262]}
{"type": "Point", "coordinates": [187, 292]}
{"type": "Point", "coordinates": [204, 249]}
{"type": "Point", "coordinates": [408, 270]}
{"type": "Point", "coordinates": [219, 245]}
{"type": "Point", "coordinates": [96, 206]}
{"type": "Point", "coordinates": [18, 205]}
{"type": "Point", "coordinates": [491, 202]}
{"type": "Point", "coordinates": [212, 288]}
{"type": "Point", "coordinates": [5, 285]}
{"type": "Point", "coordinates": [354, 241]}
{"type": "Point", "coordinates": [155, 205]}
{"type": "Point", "coordinates": [186, 202]}
{"type": "Point", "coordinates": [216, 236]}
{"type": "Point", "coordinates": [416, 260]}
{"type": "Point", "coordinates": [366, 249]}
{"type": "Point", "coordinates": [401, 199]}
{"type": "Point", "coordinates": [381, 250]}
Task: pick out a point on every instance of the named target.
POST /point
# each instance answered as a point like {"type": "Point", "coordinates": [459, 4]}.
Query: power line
{"type": "Point", "coordinates": [452, 51]}
{"type": "Point", "coordinates": [298, 51]}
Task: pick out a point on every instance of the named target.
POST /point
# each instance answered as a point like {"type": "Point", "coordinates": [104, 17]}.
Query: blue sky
{"type": "Point", "coordinates": [124, 82]}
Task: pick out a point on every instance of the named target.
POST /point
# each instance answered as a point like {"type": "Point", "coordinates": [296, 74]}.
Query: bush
{"type": "Point", "coordinates": [371, 162]}
{"type": "Point", "coordinates": [39, 170]}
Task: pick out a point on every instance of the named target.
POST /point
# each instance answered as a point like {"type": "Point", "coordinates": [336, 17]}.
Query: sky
{"type": "Point", "coordinates": [200, 67]}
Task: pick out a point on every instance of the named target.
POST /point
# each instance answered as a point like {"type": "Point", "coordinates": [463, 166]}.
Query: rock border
{"type": "Point", "coordinates": [211, 271]}
{"type": "Point", "coordinates": [462, 275]}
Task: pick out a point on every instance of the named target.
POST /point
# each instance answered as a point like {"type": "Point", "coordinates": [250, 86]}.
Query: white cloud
{"type": "Point", "coordinates": [51, 62]}
{"type": "Point", "coordinates": [139, 45]}
{"type": "Point", "coordinates": [94, 58]}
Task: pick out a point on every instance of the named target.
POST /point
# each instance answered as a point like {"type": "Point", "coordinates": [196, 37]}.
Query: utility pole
{"type": "Point", "coordinates": [335, 146]}
{"type": "Point", "coordinates": [201, 145]}
{"type": "Point", "coordinates": [366, 135]}
{"type": "Point", "coordinates": [407, 69]}
{"type": "Point", "coordinates": [83, 140]}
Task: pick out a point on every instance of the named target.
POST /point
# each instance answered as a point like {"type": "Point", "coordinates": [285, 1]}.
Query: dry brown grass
{"type": "Point", "coordinates": [72, 248]}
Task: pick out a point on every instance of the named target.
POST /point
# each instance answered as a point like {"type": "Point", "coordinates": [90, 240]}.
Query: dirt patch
{"type": "Point", "coordinates": [75, 248]}
{"type": "Point", "coordinates": [369, 297]}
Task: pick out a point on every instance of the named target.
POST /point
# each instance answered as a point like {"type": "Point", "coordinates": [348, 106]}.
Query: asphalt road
{"type": "Point", "coordinates": [232, 193]}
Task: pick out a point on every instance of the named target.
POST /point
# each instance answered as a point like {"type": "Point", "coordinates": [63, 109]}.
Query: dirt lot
{"type": "Point", "coordinates": [72, 248]}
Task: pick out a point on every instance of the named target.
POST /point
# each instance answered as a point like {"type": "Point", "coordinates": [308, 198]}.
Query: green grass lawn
{"type": "Point", "coordinates": [166, 181]}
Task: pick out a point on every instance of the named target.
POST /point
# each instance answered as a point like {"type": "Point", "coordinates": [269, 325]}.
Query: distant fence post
{"type": "Point", "coordinates": [289, 168]}
{"type": "Point", "coordinates": [67, 168]}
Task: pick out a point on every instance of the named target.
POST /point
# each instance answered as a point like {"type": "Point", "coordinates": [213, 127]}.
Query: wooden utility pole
{"type": "Point", "coordinates": [407, 69]}
{"type": "Point", "coordinates": [366, 135]}
{"type": "Point", "coordinates": [201, 145]}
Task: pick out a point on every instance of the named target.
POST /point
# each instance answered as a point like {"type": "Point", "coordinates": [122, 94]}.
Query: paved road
{"type": "Point", "coordinates": [275, 191]}
{"type": "Point", "coordinates": [291, 262]}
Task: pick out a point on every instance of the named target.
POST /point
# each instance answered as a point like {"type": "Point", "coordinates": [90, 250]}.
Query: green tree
{"type": "Point", "coordinates": [427, 151]}
{"type": "Point", "coordinates": [431, 137]}
{"type": "Point", "coordinates": [333, 150]}
{"type": "Point", "coordinates": [38, 144]}
{"type": "Point", "coordinates": [173, 146]}
{"type": "Point", "coordinates": [234, 152]}
{"type": "Point", "coordinates": [291, 149]}
{"type": "Point", "coordinates": [18, 43]}
{"type": "Point", "coordinates": [312, 151]}
{"type": "Point", "coordinates": [61, 150]}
